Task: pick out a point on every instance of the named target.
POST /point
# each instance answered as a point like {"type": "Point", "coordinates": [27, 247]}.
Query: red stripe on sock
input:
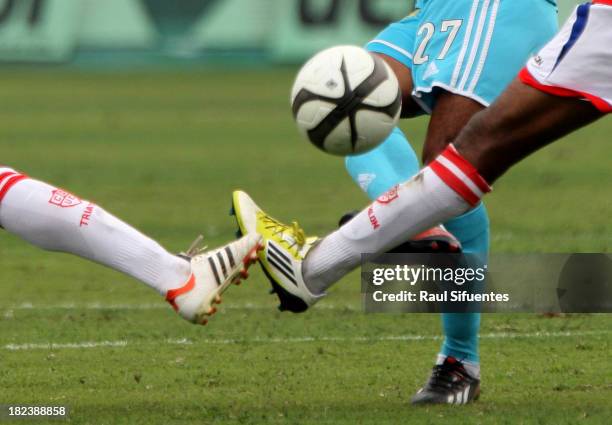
{"type": "Point", "coordinates": [10, 183]}
{"type": "Point", "coordinates": [5, 175]}
{"type": "Point", "coordinates": [468, 169]}
{"type": "Point", "coordinates": [173, 293]}
{"type": "Point", "coordinates": [454, 183]}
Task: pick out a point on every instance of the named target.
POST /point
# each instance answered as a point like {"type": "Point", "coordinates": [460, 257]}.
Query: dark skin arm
{"type": "Point", "coordinates": [521, 121]}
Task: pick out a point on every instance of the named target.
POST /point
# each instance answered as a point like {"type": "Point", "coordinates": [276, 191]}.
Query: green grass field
{"type": "Point", "coordinates": [164, 151]}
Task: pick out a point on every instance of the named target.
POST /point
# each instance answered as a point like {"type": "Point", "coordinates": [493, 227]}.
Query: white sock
{"type": "Point", "coordinates": [55, 220]}
{"type": "Point", "coordinates": [448, 187]}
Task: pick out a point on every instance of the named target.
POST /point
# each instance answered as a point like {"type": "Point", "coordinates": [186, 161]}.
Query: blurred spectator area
{"type": "Point", "coordinates": [102, 31]}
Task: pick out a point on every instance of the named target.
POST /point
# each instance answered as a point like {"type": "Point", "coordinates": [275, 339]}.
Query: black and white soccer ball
{"type": "Point", "coordinates": [346, 100]}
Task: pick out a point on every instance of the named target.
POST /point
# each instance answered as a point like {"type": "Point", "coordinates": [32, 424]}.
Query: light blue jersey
{"type": "Point", "coordinates": [473, 48]}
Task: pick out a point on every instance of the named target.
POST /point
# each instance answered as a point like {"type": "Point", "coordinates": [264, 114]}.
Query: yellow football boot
{"type": "Point", "coordinates": [284, 249]}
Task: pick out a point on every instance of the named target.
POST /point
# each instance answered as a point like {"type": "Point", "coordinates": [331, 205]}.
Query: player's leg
{"type": "Point", "coordinates": [448, 187]}
{"type": "Point", "coordinates": [462, 64]}
{"type": "Point", "coordinates": [520, 122]}
{"type": "Point", "coordinates": [456, 79]}
{"type": "Point", "coordinates": [56, 220]}
{"type": "Point", "coordinates": [377, 171]}
{"type": "Point", "coordinates": [451, 112]}
{"type": "Point", "coordinates": [575, 64]}
{"type": "Point", "coordinates": [395, 161]}
{"type": "Point", "coordinates": [461, 329]}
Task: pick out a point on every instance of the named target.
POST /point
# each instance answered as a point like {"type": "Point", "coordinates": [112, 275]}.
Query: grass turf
{"type": "Point", "coordinates": [163, 151]}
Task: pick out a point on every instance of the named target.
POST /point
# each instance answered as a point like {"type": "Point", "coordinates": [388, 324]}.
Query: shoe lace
{"type": "Point", "coordinates": [445, 376]}
{"type": "Point", "coordinates": [296, 235]}
{"type": "Point", "coordinates": [196, 248]}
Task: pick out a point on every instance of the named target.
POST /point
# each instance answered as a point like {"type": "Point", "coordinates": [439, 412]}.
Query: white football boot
{"type": "Point", "coordinates": [212, 272]}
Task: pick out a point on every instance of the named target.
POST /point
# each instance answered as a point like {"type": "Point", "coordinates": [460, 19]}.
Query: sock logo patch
{"type": "Point", "coordinates": [64, 199]}
{"type": "Point", "coordinates": [373, 220]}
{"type": "Point", "coordinates": [365, 180]}
{"type": "Point", "coordinates": [390, 196]}
{"type": "Point", "coordinates": [86, 215]}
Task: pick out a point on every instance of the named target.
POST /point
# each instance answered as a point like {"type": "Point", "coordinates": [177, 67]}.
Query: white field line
{"type": "Point", "coordinates": [54, 346]}
{"type": "Point", "coordinates": [185, 341]}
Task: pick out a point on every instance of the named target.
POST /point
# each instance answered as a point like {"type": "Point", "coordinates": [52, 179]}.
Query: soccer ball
{"type": "Point", "coordinates": [346, 100]}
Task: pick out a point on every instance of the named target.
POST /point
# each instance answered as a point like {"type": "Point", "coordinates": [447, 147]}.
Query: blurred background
{"type": "Point", "coordinates": [113, 32]}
